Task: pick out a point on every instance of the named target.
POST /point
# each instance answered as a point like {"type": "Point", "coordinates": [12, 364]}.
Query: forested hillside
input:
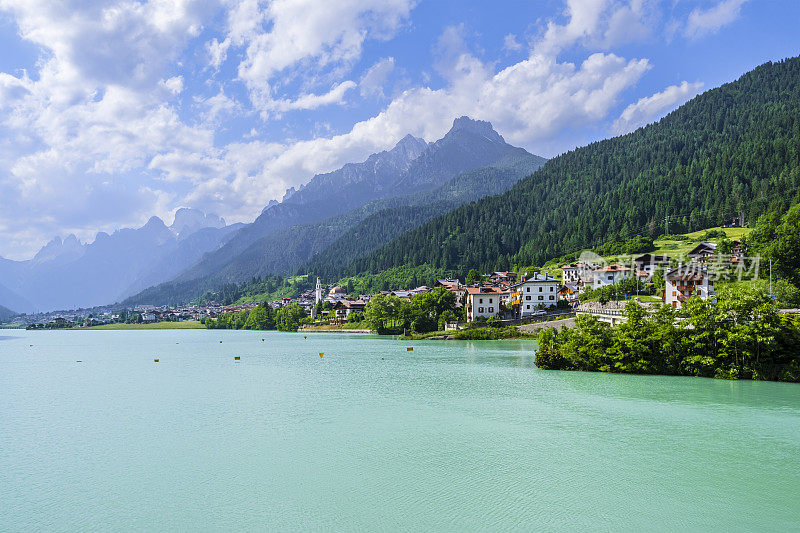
{"type": "Point", "coordinates": [390, 222]}
{"type": "Point", "coordinates": [731, 150]}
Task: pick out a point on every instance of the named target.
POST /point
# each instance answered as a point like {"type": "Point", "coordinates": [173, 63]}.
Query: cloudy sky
{"type": "Point", "coordinates": [113, 111]}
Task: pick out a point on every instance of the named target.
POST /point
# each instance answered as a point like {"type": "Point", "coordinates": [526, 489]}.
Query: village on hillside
{"type": "Point", "coordinates": [590, 285]}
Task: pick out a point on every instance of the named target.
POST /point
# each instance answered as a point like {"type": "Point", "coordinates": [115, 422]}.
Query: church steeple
{"type": "Point", "coordinates": [319, 292]}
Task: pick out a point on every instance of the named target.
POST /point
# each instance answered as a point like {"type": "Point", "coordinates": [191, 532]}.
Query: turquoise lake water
{"type": "Point", "coordinates": [451, 436]}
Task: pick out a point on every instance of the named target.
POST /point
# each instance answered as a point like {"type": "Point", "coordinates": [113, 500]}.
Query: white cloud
{"type": "Point", "coordinates": [599, 24]}
{"type": "Point", "coordinates": [12, 89]}
{"type": "Point", "coordinates": [174, 84]}
{"type": "Point", "coordinates": [313, 101]}
{"type": "Point", "coordinates": [649, 108]}
{"type": "Point", "coordinates": [218, 107]}
{"type": "Point", "coordinates": [706, 21]}
{"type": "Point", "coordinates": [217, 52]}
{"type": "Point", "coordinates": [315, 33]}
{"type": "Point", "coordinates": [511, 44]}
{"type": "Point", "coordinates": [375, 77]}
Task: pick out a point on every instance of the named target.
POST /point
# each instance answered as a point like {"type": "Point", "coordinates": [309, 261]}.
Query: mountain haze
{"type": "Point", "coordinates": [66, 274]}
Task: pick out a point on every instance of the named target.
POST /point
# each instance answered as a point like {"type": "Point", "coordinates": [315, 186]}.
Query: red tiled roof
{"type": "Point", "coordinates": [613, 268]}
{"type": "Point", "coordinates": [486, 290]}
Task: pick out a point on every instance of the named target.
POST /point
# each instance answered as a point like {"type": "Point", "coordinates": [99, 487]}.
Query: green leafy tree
{"type": "Point", "coordinates": [387, 314]}
{"type": "Point", "coordinates": [473, 276]}
{"type": "Point", "coordinates": [260, 318]}
{"type": "Point", "coordinates": [289, 317]}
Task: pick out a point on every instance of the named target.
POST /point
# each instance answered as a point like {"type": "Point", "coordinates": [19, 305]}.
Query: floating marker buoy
{"type": "Point", "coordinates": [220, 342]}
{"type": "Point", "coordinates": [321, 354]}
{"type": "Point", "coordinates": [262, 340]}
{"type": "Point", "coordinates": [79, 361]}
{"type": "Point", "coordinates": [237, 358]}
{"type": "Point", "coordinates": [409, 349]}
{"type": "Point", "coordinates": [155, 360]}
{"type": "Point", "coordinates": [305, 336]}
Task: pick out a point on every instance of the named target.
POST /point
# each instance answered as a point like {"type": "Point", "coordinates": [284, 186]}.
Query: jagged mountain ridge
{"type": "Point", "coordinates": [66, 274]}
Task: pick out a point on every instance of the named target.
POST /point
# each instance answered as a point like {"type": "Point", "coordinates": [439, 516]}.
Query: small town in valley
{"type": "Point", "coordinates": [588, 286]}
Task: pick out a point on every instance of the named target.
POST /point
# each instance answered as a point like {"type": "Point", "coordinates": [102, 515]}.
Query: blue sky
{"type": "Point", "coordinates": [118, 110]}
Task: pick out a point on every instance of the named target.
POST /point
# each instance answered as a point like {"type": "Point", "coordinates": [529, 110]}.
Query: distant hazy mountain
{"type": "Point", "coordinates": [395, 193]}
{"type": "Point", "coordinates": [66, 274]}
{"type": "Point", "coordinates": [188, 221]}
{"type": "Point", "coordinates": [6, 314]}
{"type": "Point", "coordinates": [10, 299]}
{"type": "Point", "coordinates": [69, 249]}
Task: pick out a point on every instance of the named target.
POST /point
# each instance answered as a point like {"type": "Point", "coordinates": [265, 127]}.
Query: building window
{"type": "Point", "coordinates": [491, 309]}
{"type": "Point", "coordinates": [480, 301]}
{"type": "Point", "coordinates": [551, 296]}
{"type": "Point", "coordinates": [527, 289]}
{"type": "Point", "coordinates": [673, 293]}
{"type": "Point", "coordinates": [490, 300]}
{"type": "Point", "coordinates": [540, 289]}
{"type": "Point", "coordinates": [480, 309]}
{"type": "Point", "coordinates": [551, 288]}
{"type": "Point", "coordinates": [610, 277]}
{"type": "Point", "coordinates": [527, 297]}
{"type": "Point", "coordinates": [527, 307]}
{"type": "Point", "coordinates": [541, 297]}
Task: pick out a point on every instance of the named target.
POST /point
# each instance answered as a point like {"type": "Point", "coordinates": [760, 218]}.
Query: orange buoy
{"type": "Point", "coordinates": [155, 360]}
{"type": "Point", "coordinates": [321, 354]}
{"type": "Point", "coordinates": [237, 358]}
{"type": "Point", "coordinates": [409, 349]}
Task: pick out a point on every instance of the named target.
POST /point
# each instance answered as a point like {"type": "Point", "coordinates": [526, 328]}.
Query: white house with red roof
{"type": "Point", "coordinates": [484, 301]}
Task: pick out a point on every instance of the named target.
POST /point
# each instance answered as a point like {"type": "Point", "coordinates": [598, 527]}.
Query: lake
{"type": "Point", "coordinates": [449, 436]}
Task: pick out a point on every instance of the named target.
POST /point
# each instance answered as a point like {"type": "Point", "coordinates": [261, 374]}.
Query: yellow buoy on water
{"type": "Point", "coordinates": [155, 360]}
{"type": "Point", "coordinates": [321, 354]}
{"type": "Point", "coordinates": [409, 349]}
{"type": "Point", "coordinates": [262, 340]}
{"type": "Point", "coordinates": [220, 342]}
{"type": "Point", "coordinates": [236, 358]}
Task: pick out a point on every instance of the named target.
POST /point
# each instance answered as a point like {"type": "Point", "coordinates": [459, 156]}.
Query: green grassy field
{"type": "Point", "coordinates": [669, 247]}
{"type": "Point", "coordinates": [675, 248]}
{"type": "Point", "coordinates": [188, 324]}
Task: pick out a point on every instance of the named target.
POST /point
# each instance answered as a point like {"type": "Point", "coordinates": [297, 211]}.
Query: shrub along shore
{"type": "Point", "coordinates": [742, 336]}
